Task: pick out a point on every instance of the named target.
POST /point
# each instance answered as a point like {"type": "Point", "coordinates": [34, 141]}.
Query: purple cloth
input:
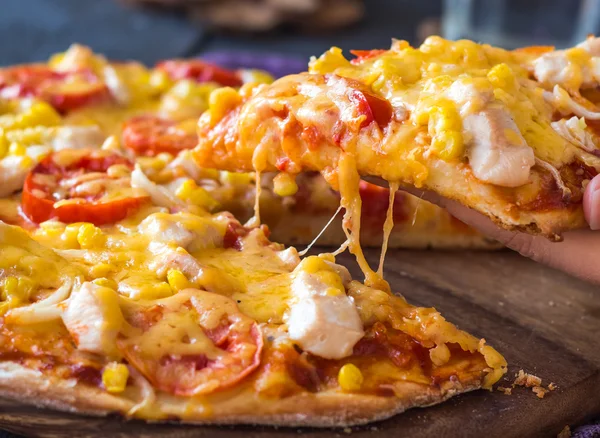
{"type": "Point", "coordinates": [589, 431]}
{"type": "Point", "coordinates": [277, 65]}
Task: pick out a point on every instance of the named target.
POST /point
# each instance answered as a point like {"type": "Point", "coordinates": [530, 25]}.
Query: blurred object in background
{"type": "Point", "coordinates": [33, 29]}
{"type": "Point", "coordinates": [264, 15]}
{"type": "Point", "coordinates": [518, 23]}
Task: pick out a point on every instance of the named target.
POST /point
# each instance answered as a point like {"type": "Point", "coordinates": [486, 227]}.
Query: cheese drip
{"type": "Point", "coordinates": [349, 181]}
{"type": "Point", "coordinates": [388, 226]}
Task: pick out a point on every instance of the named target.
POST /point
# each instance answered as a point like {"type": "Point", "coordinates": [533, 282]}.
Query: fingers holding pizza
{"type": "Point", "coordinates": [575, 254]}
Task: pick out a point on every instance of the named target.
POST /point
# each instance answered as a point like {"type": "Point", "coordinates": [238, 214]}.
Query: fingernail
{"type": "Point", "coordinates": [594, 207]}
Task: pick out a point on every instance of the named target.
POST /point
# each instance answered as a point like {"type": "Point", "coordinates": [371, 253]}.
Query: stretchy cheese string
{"type": "Point", "coordinates": [387, 226]}
{"type": "Point", "coordinates": [349, 181]}
{"type": "Point", "coordinates": [303, 252]}
{"type": "Point", "coordinates": [254, 221]}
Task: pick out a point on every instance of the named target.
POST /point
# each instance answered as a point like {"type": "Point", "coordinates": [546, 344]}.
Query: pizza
{"type": "Point", "coordinates": [511, 134]}
{"type": "Point", "coordinates": [127, 286]}
{"type": "Point", "coordinates": [154, 111]}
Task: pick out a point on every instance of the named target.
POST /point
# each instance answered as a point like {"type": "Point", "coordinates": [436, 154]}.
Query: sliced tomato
{"type": "Point", "coordinates": [57, 178]}
{"type": "Point", "coordinates": [199, 71]}
{"type": "Point", "coordinates": [233, 352]}
{"type": "Point", "coordinates": [149, 135]}
{"type": "Point", "coordinates": [373, 107]}
{"type": "Point", "coordinates": [63, 90]}
{"type": "Point", "coordinates": [361, 55]}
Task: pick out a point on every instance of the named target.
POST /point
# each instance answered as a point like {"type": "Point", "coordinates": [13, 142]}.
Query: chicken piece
{"type": "Point", "coordinates": [188, 231]}
{"type": "Point", "coordinates": [569, 68]}
{"type": "Point", "coordinates": [327, 326]}
{"type": "Point", "coordinates": [77, 137]}
{"type": "Point", "coordinates": [160, 195]}
{"type": "Point", "coordinates": [166, 258]}
{"type": "Point", "coordinates": [323, 320]}
{"type": "Point", "coordinates": [93, 318]}
{"type": "Point", "coordinates": [497, 152]}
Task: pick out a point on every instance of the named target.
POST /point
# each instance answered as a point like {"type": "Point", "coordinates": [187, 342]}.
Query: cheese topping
{"type": "Point", "coordinates": [322, 319]}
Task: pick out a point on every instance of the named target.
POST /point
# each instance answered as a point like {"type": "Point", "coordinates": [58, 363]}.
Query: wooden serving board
{"type": "Point", "coordinates": [542, 321]}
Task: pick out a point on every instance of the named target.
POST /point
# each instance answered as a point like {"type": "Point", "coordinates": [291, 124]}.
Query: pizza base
{"type": "Point", "coordinates": [469, 191]}
{"type": "Point", "coordinates": [330, 409]}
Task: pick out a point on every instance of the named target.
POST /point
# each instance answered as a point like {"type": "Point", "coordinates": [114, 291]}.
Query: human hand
{"type": "Point", "coordinates": [578, 254]}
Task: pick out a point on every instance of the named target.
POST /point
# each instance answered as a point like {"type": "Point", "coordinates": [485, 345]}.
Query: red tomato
{"type": "Point", "coordinates": [52, 180]}
{"type": "Point", "coordinates": [361, 55]}
{"type": "Point", "coordinates": [149, 135]}
{"type": "Point", "coordinates": [372, 106]}
{"type": "Point", "coordinates": [63, 90]}
{"type": "Point", "coordinates": [233, 352]}
{"type": "Point", "coordinates": [199, 71]}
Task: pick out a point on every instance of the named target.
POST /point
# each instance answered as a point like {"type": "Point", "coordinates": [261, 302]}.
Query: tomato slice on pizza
{"type": "Point", "coordinates": [199, 71]}
{"type": "Point", "coordinates": [81, 186]}
{"type": "Point", "coordinates": [148, 135]}
{"type": "Point", "coordinates": [194, 346]}
{"type": "Point", "coordinates": [65, 91]}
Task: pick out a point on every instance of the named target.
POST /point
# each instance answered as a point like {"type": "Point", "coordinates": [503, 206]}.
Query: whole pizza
{"type": "Point", "coordinates": [140, 210]}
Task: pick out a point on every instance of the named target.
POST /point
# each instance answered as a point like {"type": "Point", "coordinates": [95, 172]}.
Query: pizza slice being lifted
{"type": "Point", "coordinates": [511, 134]}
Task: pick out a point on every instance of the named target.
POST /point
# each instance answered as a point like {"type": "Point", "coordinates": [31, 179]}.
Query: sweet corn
{"type": "Point", "coordinates": [221, 101]}
{"type": "Point", "coordinates": [106, 282]}
{"type": "Point", "coordinates": [284, 184]}
{"type": "Point", "coordinates": [258, 76]}
{"type": "Point", "coordinates": [35, 135]}
{"type": "Point", "coordinates": [40, 113]}
{"type": "Point", "coordinates": [177, 280]}
{"type": "Point", "coordinates": [100, 270]}
{"type": "Point", "coordinates": [502, 76]}
{"type": "Point", "coordinates": [3, 144]}
{"type": "Point", "coordinates": [190, 192]}
{"type": "Point", "coordinates": [17, 149]}
{"type": "Point", "coordinates": [235, 178]}
{"type": "Point", "coordinates": [160, 81]}
{"type": "Point", "coordinates": [10, 288]}
{"type": "Point", "coordinates": [350, 378]}
{"type": "Point", "coordinates": [448, 145]}
{"type": "Point", "coordinates": [90, 236]}
{"type": "Point", "coordinates": [114, 377]}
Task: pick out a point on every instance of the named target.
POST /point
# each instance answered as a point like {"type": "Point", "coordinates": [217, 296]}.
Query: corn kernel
{"type": "Point", "coordinates": [177, 280]}
{"type": "Point", "coordinates": [17, 149]}
{"type": "Point", "coordinates": [10, 288]}
{"type": "Point", "coordinates": [448, 145]}
{"type": "Point", "coordinates": [100, 270]}
{"type": "Point", "coordinates": [160, 81]}
{"type": "Point", "coordinates": [90, 236]}
{"type": "Point", "coordinates": [235, 178]}
{"type": "Point", "coordinates": [114, 377]}
{"type": "Point", "coordinates": [502, 76]}
{"type": "Point", "coordinates": [350, 378]}
{"type": "Point", "coordinates": [40, 113]}
{"type": "Point", "coordinates": [221, 101]}
{"type": "Point", "coordinates": [3, 144]}
{"type": "Point", "coordinates": [190, 192]}
{"type": "Point", "coordinates": [284, 184]}
{"type": "Point", "coordinates": [111, 144]}
{"type": "Point", "coordinates": [257, 76]}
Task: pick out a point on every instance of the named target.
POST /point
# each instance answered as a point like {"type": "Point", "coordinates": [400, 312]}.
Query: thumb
{"type": "Point", "coordinates": [591, 203]}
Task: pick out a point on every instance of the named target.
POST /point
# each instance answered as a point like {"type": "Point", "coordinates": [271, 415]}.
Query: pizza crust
{"type": "Point", "coordinates": [329, 409]}
{"type": "Point", "coordinates": [460, 185]}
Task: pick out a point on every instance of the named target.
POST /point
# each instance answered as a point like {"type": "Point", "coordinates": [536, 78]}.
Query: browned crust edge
{"type": "Point", "coordinates": [318, 410]}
